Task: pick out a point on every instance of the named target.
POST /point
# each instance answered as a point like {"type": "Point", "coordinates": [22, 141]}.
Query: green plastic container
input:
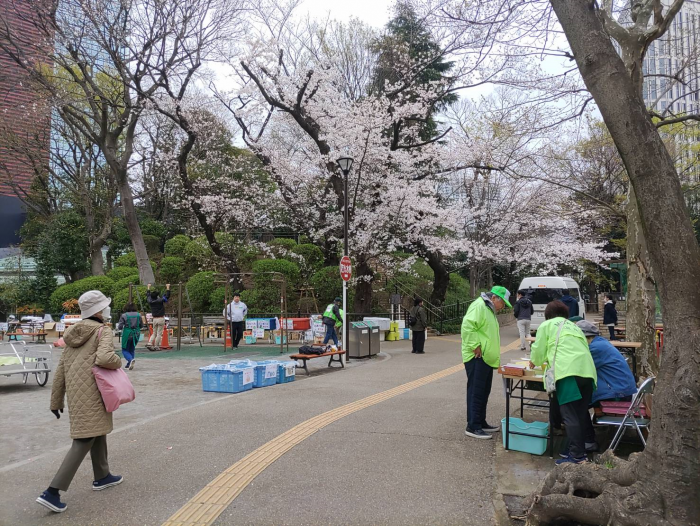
{"type": "Point", "coordinates": [532, 445]}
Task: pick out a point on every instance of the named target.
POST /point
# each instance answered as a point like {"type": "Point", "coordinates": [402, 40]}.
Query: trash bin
{"type": "Point", "coordinates": [358, 340]}
{"type": "Point", "coordinates": [374, 341]}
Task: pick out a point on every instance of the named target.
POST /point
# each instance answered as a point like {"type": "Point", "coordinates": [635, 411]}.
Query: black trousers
{"type": "Point", "coordinates": [236, 332]}
{"type": "Point", "coordinates": [579, 428]}
{"type": "Point", "coordinates": [612, 333]}
{"type": "Point", "coordinates": [479, 379]}
{"type": "Point", "coordinates": [418, 342]}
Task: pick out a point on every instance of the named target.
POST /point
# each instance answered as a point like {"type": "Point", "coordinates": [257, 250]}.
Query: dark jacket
{"type": "Point", "coordinates": [421, 316]}
{"type": "Point", "coordinates": [609, 314]}
{"type": "Point", "coordinates": [615, 379]}
{"type": "Point", "coordinates": [570, 302]}
{"type": "Point", "coordinates": [523, 309]}
{"type": "Point", "coordinates": [158, 304]}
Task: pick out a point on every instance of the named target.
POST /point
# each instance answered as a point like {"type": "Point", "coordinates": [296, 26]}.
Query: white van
{"type": "Point", "coordinates": [543, 289]}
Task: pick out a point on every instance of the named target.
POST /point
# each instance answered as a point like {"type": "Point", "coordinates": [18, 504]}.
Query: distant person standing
{"type": "Point", "coordinates": [157, 303]}
{"type": "Point", "coordinates": [610, 315]}
{"type": "Point", "coordinates": [523, 311]}
{"type": "Point", "coordinates": [570, 302]}
{"type": "Point", "coordinates": [332, 318]}
{"type": "Point", "coordinates": [130, 325]}
{"type": "Point", "coordinates": [419, 323]}
{"type": "Point", "coordinates": [235, 312]}
{"type": "Point", "coordinates": [481, 354]}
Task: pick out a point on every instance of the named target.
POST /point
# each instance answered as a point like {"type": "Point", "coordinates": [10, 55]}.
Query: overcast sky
{"type": "Point", "coordinates": [373, 12]}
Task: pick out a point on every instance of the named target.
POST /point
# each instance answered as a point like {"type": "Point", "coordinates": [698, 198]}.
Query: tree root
{"type": "Point", "coordinates": [609, 492]}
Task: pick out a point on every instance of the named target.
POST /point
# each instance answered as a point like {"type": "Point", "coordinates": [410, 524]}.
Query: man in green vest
{"type": "Point", "coordinates": [481, 354]}
{"type": "Point", "coordinates": [332, 319]}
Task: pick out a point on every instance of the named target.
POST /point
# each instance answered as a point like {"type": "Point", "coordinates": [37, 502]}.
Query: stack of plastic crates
{"type": "Point", "coordinates": [266, 373]}
{"type": "Point", "coordinates": [226, 378]}
{"type": "Point", "coordinates": [286, 372]}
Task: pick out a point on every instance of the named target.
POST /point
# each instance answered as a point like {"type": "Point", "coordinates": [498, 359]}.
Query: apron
{"type": "Point", "coordinates": [129, 332]}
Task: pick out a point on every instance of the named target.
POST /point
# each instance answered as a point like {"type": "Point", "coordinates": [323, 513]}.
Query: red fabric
{"type": "Point", "coordinates": [620, 408]}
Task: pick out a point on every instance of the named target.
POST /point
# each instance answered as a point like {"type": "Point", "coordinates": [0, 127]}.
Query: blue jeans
{"type": "Point", "coordinates": [479, 379]}
{"type": "Point", "coordinates": [130, 351]}
{"type": "Point", "coordinates": [331, 335]}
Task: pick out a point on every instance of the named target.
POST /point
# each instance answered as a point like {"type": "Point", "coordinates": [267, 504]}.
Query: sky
{"type": "Point", "coordinates": [373, 12]}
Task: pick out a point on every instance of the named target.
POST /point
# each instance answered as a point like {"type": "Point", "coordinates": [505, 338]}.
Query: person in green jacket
{"type": "Point", "coordinates": [481, 354]}
{"type": "Point", "coordinates": [575, 375]}
{"type": "Point", "coordinates": [130, 325]}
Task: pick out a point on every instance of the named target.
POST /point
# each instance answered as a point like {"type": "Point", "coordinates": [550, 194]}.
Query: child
{"type": "Point", "coordinates": [130, 325]}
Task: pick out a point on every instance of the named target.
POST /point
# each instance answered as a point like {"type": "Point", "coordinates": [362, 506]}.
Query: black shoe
{"type": "Point", "coordinates": [489, 428]}
{"type": "Point", "coordinates": [592, 447]}
{"type": "Point", "coordinates": [420, 352]}
{"type": "Point", "coordinates": [478, 433]}
{"type": "Point", "coordinates": [413, 352]}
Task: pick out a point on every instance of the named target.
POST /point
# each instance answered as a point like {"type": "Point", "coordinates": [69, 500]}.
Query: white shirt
{"type": "Point", "coordinates": [235, 311]}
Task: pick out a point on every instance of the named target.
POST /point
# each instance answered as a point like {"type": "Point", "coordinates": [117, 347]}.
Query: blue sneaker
{"type": "Point", "coordinates": [107, 482]}
{"type": "Point", "coordinates": [571, 460]}
{"type": "Point", "coordinates": [53, 502]}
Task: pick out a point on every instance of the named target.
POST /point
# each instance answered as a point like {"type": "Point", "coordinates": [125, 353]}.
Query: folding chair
{"type": "Point", "coordinates": [634, 416]}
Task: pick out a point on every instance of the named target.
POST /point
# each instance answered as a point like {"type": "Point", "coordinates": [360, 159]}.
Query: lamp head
{"type": "Point", "coordinates": [345, 164]}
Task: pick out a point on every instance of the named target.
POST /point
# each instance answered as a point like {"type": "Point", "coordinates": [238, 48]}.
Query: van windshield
{"type": "Point", "coordinates": [542, 296]}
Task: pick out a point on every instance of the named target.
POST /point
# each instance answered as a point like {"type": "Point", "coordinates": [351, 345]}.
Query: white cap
{"type": "Point", "coordinates": [92, 302]}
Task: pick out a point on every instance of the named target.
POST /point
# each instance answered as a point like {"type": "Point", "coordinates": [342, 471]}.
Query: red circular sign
{"type": "Point", "coordinates": [346, 268]}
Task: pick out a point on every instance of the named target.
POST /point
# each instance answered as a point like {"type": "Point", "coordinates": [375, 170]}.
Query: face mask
{"type": "Point", "coordinates": [106, 313]}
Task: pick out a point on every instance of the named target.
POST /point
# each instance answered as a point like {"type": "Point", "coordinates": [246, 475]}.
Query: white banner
{"type": "Point", "coordinates": [251, 324]}
{"type": "Point", "coordinates": [264, 323]}
{"type": "Point", "coordinates": [259, 333]}
{"type": "Point", "coordinates": [60, 327]}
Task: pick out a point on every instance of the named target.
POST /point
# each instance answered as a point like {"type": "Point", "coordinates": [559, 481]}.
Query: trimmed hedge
{"type": "Point", "coordinates": [118, 273]}
{"type": "Point", "coordinates": [175, 246]}
{"type": "Point", "coordinates": [124, 283]}
{"type": "Point", "coordinates": [126, 260]}
{"type": "Point", "coordinates": [76, 289]}
{"type": "Point", "coordinates": [121, 298]}
{"type": "Point", "coordinates": [200, 287]}
{"type": "Point", "coordinates": [171, 269]}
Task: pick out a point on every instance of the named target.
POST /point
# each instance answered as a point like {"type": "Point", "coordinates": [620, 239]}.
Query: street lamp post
{"type": "Point", "coordinates": [345, 164]}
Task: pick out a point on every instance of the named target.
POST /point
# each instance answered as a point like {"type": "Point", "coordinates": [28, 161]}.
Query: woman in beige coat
{"type": "Point", "coordinates": [88, 343]}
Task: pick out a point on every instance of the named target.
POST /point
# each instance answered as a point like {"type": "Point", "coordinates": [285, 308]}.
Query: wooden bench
{"type": "Point", "coordinates": [40, 336]}
{"type": "Point", "coordinates": [335, 357]}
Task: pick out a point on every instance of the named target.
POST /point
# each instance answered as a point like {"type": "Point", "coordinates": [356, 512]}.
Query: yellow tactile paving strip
{"type": "Point", "coordinates": [208, 504]}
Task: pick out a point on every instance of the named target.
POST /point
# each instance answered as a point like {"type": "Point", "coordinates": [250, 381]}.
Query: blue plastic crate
{"type": "Point", "coordinates": [532, 445]}
{"type": "Point", "coordinates": [224, 381]}
{"type": "Point", "coordinates": [250, 340]}
{"type": "Point", "coordinates": [285, 375]}
{"type": "Point", "coordinates": [260, 373]}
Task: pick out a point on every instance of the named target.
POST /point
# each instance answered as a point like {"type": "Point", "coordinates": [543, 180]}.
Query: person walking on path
{"type": "Point", "coordinates": [88, 343]}
{"type": "Point", "coordinates": [418, 320]}
{"type": "Point", "coordinates": [130, 325]}
{"type": "Point", "coordinates": [235, 312]}
{"type": "Point", "coordinates": [523, 311]}
{"type": "Point", "coordinates": [333, 317]}
{"type": "Point", "coordinates": [157, 303]}
{"type": "Point", "coordinates": [561, 345]}
{"type": "Point", "coordinates": [610, 315]}
{"type": "Point", "coordinates": [570, 302]}
{"type": "Point", "coordinates": [481, 354]}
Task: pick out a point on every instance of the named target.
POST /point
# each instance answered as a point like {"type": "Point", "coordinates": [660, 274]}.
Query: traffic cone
{"type": "Point", "coordinates": [164, 344]}
{"type": "Point", "coordinates": [229, 342]}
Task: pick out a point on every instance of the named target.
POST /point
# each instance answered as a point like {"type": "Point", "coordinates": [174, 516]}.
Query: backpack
{"type": "Point", "coordinates": [412, 320]}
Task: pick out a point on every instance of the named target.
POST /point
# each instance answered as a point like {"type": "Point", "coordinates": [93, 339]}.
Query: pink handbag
{"type": "Point", "coordinates": [114, 385]}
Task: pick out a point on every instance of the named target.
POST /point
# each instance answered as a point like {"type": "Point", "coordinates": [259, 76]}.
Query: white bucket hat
{"type": "Point", "coordinates": [92, 302]}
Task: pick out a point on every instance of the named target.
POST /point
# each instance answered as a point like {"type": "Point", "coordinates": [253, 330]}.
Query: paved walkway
{"type": "Point", "coordinates": [401, 458]}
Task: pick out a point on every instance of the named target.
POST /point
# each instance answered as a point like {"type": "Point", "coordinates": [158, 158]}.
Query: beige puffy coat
{"type": "Point", "coordinates": [75, 381]}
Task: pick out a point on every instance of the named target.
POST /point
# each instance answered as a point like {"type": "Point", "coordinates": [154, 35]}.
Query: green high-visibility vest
{"type": "Point", "coordinates": [329, 313]}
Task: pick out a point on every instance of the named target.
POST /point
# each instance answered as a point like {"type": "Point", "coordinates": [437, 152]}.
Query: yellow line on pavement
{"type": "Point", "coordinates": [208, 504]}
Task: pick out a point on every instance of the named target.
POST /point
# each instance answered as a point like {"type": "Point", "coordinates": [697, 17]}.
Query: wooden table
{"type": "Point", "coordinates": [513, 383]}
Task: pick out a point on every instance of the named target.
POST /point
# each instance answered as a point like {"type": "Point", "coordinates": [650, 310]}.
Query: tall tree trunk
{"type": "Point", "coordinates": [97, 263]}
{"type": "Point", "coordinates": [641, 292]}
{"type": "Point", "coordinates": [363, 287]}
{"type": "Point", "coordinates": [473, 280]}
{"type": "Point", "coordinates": [143, 263]}
{"type": "Point", "coordinates": [441, 280]}
{"type": "Point", "coordinates": [662, 484]}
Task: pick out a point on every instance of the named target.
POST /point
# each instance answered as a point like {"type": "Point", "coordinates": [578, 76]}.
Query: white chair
{"type": "Point", "coordinates": [631, 418]}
